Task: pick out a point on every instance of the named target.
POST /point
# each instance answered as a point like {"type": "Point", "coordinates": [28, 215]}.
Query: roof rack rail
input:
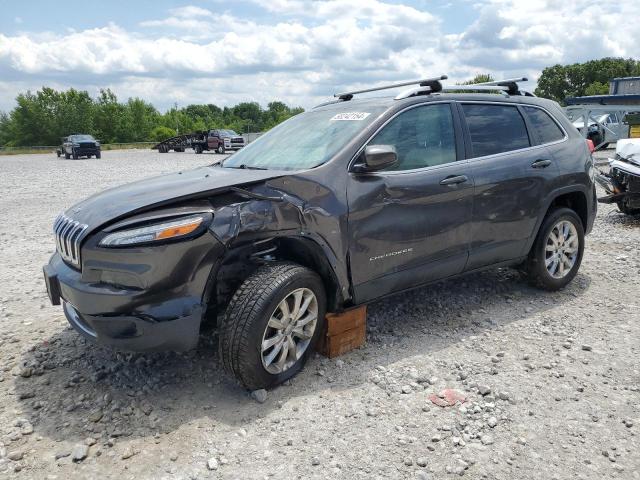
{"type": "Point", "coordinates": [433, 83]}
{"type": "Point", "coordinates": [510, 83]}
{"type": "Point", "coordinates": [453, 88]}
{"type": "Point", "coordinates": [428, 86]}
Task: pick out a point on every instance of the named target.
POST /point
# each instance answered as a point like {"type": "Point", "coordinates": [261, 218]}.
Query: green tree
{"type": "Point", "coordinates": [597, 88]}
{"type": "Point", "coordinates": [480, 78]}
{"type": "Point", "coordinates": [579, 79]}
{"type": "Point", "coordinates": [43, 117]}
{"type": "Point", "coordinates": [161, 133]}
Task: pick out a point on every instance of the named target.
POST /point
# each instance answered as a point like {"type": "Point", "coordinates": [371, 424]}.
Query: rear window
{"type": "Point", "coordinates": [545, 127]}
{"type": "Point", "coordinates": [495, 128]}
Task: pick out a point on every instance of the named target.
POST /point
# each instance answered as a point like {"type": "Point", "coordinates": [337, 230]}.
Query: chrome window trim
{"type": "Point", "coordinates": [464, 160]}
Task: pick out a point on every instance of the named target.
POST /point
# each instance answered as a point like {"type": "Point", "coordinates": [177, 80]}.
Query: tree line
{"type": "Point", "coordinates": [43, 117]}
{"type": "Point", "coordinates": [580, 79]}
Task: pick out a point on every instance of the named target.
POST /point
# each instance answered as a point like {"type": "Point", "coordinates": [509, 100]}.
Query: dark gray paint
{"type": "Point", "coordinates": [368, 234]}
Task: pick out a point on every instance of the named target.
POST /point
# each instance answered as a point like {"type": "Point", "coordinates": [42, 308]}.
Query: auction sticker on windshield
{"type": "Point", "coordinates": [357, 116]}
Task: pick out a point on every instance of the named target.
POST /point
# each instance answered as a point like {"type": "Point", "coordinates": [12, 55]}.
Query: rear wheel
{"type": "Point", "coordinates": [74, 154]}
{"type": "Point", "coordinates": [272, 325]}
{"type": "Point", "coordinates": [556, 254]}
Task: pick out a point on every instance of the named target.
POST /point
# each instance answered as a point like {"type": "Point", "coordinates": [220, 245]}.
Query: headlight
{"type": "Point", "coordinates": [153, 233]}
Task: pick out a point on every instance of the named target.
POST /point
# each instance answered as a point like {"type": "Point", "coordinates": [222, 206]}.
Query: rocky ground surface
{"type": "Point", "coordinates": [551, 380]}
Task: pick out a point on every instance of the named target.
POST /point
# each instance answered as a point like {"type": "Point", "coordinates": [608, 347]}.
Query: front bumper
{"type": "Point", "coordinates": [137, 333]}
{"type": "Point", "coordinates": [86, 151]}
{"type": "Point", "coordinates": [145, 299]}
{"type": "Point", "coordinates": [622, 187]}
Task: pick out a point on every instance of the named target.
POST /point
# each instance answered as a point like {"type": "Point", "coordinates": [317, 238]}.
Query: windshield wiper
{"type": "Point", "coordinates": [244, 166]}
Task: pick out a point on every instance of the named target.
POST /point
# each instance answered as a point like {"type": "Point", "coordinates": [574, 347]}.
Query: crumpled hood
{"type": "Point", "coordinates": [629, 149]}
{"type": "Point", "coordinates": [115, 203]}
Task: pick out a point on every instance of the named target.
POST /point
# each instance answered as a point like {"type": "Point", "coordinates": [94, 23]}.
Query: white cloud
{"type": "Point", "coordinates": [311, 50]}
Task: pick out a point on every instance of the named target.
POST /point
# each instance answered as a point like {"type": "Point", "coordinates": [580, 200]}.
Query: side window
{"type": "Point", "coordinates": [547, 129]}
{"type": "Point", "coordinates": [423, 136]}
{"type": "Point", "coordinates": [495, 128]}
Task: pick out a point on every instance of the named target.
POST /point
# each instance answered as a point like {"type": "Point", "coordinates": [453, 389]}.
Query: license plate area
{"type": "Point", "coordinates": [52, 284]}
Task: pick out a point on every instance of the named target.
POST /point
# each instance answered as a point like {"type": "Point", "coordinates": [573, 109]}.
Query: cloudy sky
{"type": "Point", "coordinates": [224, 52]}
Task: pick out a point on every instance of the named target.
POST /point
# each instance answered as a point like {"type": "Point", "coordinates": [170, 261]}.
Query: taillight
{"type": "Point", "coordinates": [591, 146]}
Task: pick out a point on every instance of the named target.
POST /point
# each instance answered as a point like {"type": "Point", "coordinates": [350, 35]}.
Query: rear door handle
{"type": "Point", "coordinates": [541, 163]}
{"type": "Point", "coordinates": [454, 180]}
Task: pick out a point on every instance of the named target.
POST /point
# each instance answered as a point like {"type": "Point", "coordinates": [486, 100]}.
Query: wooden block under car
{"type": "Point", "coordinates": [344, 332]}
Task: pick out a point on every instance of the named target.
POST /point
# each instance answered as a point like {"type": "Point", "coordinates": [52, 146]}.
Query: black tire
{"type": "Point", "coordinates": [198, 149]}
{"type": "Point", "coordinates": [67, 156]}
{"type": "Point", "coordinates": [58, 153]}
{"type": "Point", "coordinates": [535, 266]}
{"type": "Point", "coordinates": [247, 315]}
{"type": "Point", "coordinates": [74, 154]}
{"type": "Point", "coordinates": [220, 149]}
{"type": "Point", "coordinates": [99, 155]}
{"type": "Point", "coordinates": [162, 149]}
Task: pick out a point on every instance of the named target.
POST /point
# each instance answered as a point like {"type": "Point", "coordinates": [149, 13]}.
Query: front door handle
{"type": "Point", "coordinates": [541, 163]}
{"type": "Point", "coordinates": [454, 180]}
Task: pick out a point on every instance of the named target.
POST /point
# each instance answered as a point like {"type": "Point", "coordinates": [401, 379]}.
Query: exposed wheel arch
{"type": "Point", "coordinates": [240, 262]}
{"type": "Point", "coordinates": [576, 201]}
{"type": "Point", "coordinates": [574, 198]}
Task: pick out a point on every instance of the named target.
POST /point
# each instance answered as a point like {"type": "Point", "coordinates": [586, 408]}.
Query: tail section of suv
{"type": "Point", "coordinates": [334, 208]}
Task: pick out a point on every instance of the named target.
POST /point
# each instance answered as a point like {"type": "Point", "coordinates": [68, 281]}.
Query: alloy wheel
{"type": "Point", "coordinates": [561, 249]}
{"type": "Point", "coordinates": [289, 331]}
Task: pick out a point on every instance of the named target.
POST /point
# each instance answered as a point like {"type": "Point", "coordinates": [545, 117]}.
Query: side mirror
{"type": "Point", "coordinates": [377, 157]}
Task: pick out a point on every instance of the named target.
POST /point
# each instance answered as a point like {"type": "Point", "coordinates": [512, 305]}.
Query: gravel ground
{"type": "Point", "coordinates": [552, 380]}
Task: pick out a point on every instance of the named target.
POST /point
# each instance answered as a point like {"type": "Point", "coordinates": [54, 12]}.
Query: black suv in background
{"type": "Point", "coordinates": [334, 208]}
{"type": "Point", "coordinates": [79, 145]}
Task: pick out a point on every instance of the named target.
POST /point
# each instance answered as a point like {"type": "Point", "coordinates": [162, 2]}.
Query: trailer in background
{"type": "Point", "coordinates": [216, 140]}
{"type": "Point", "coordinates": [180, 142]}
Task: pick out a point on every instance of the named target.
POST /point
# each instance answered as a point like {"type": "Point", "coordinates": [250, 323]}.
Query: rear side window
{"type": "Point", "coordinates": [546, 128]}
{"type": "Point", "coordinates": [495, 128]}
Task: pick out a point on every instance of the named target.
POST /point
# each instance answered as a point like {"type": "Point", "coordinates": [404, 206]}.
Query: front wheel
{"type": "Point", "coordinates": [272, 324]}
{"type": "Point", "coordinates": [556, 254]}
{"type": "Point", "coordinates": [75, 155]}
{"type": "Point", "coordinates": [220, 149]}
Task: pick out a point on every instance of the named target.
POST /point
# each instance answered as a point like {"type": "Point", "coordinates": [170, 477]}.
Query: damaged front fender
{"type": "Point", "coordinates": [275, 221]}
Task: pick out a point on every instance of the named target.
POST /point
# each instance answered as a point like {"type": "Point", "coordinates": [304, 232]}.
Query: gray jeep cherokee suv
{"type": "Point", "coordinates": [336, 207]}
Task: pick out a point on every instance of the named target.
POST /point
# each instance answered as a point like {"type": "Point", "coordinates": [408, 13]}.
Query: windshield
{"type": "Point", "coordinates": [305, 141]}
{"type": "Point", "coordinates": [228, 133]}
{"type": "Point", "coordinates": [81, 138]}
